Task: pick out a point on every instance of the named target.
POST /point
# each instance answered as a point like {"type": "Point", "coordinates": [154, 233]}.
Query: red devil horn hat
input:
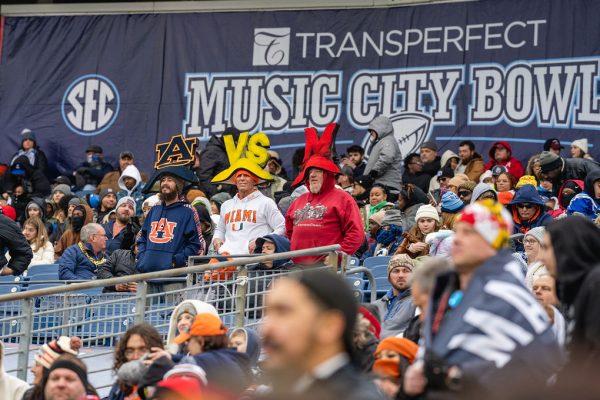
{"type": "Point", "coordinates": [318, 151]}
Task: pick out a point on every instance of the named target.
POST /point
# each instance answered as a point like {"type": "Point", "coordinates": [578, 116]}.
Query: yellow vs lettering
{"type": "Point", "coordinates": [255, 147]}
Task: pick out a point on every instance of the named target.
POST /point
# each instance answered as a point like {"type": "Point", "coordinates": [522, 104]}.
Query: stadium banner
{"type": "Point", "coordinates": [522, 71]}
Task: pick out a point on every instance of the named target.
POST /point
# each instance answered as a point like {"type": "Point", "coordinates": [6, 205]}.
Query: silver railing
{"type": "Point", "coordinates": [30, 318]}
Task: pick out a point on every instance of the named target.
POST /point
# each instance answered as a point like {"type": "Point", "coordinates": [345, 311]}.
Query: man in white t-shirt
{"type": "Point", "coordinates": [246, 217]}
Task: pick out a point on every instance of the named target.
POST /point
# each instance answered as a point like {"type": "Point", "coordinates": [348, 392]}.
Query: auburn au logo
{"type": "Point", "coordinates": [162, 231]}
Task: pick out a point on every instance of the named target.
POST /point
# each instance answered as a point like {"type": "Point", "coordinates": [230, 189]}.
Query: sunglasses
{"type": "Point", "coordinates": [525, 205]}
{"type": "Point", "coordinates": [464, 193]}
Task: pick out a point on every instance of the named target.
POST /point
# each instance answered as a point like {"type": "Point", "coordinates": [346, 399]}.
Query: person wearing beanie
{"type": "Point", "coordinates": [22, 173]}
{"type": "Point", "coordinates": [392, 357]}
{"type": "Point", "coordinates": [532, 243]}
{"type": "Point", "coordinates": [456, 181]}
{"type": "Point", "coordinates": [579, 149]}
{"type": "Point", "coordinates": [481, 259]}
{"type": "Point", "coordinates": [487, 177]}
{"type": "Point", "coordinates": [389, 235]}
{"type": "Point", "coordinates": [427, 220]}
{"type": "Point", "coordinates": [361, 189]}
{"type": "Point", "coordinates": [309, 339]}
{"type": "Point", "coordinates": [385, 157]}
{"type": "Point", "coordinates": [60, 191]}
{"type": "Point", "coordinates": [413, 172]}
{"type": "Point", "coordinates": [451, 206]}
{"type": "Point", "coordinates": [67, 379]}
{"type": "Point", "coordinates": [528, 211]}
{"type": "Point", "coordinates": [108, 202]}
{"type": "Point", "coordinates": [465, 191]}
{"type": "Point", "coordinates": [121, 232]}
{"type": "Point", "coordinates": [526, 180]}
{"type": "Point", "coordinates": [558, 169]}
{"type": "Point", "coordinates": [217, 201]}
{"type": "Point", "coordinates": [31, 149]}
{"type": "Point", "coordinates": [396, 306]}
{"type": "Point", "coordinates": [432, 163]}
{"type": "Point", "coordinates": [501, 154]}
{"type": "Point", "coordinates": [49, 352]}
{"type": "Point", "coordinates": [374, 225]}
{"type": "Point", "coordinates": [150, 202]}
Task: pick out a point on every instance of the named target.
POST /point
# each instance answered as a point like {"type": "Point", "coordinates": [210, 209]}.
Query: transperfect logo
{"type": "Point", "coordinates": [271, 46]}
{"type": "Point", "coordinates": [90, 105]}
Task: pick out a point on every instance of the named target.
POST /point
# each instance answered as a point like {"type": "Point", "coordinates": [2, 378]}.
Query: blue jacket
{"type": "Point", "coordinates": [169, 236]}
{"type": "Point", "coordinates": [74, 265]}
{"type": "Point", "coordinates": [126, 235]}
{"type": "Point", "coordinates": [282, 245]}
{"type": "Point", "coordinates": [396, 312]}
{"type": "Point", "coordinates": [528, 194]}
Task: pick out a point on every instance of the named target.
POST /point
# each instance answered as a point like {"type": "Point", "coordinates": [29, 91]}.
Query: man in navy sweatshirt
{"type": "Point", "coordinates": [169, 234]}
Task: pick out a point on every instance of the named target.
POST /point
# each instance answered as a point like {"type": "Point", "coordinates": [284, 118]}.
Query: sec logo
{"type": "Point", "coordinates": [90, 105]}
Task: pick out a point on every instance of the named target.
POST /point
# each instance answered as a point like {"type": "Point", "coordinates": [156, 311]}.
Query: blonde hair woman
{"type": "Point", "coordinates": [35, 232]}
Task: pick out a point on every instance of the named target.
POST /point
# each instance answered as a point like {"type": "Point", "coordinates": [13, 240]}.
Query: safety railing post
{"type": "Point", "coordinates": [140, 302]}
{"type": "Point", "coordinates": [333, 261]}
{"type": "Point", "coordinates": [240, 298]}
{"type": "Point", "coordinates": [66, 320]}
{"type": "Point", "coordinates": [25, 341]}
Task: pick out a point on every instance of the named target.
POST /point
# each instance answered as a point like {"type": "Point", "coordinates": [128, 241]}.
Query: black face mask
{"type": "Point", "coordinates": [566, 199]}
{"type": "Point", "coordinates": [77, 223]}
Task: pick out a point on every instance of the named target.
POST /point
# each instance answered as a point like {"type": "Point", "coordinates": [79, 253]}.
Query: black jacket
{"type": "Point", "coordinates": [578, 168]}
{"type": "Point", "coordinates": [34, 181]}
{"type": "Point", "coordinates": [119, 263]}
{"type": "Point", "coordinates": [12, 239]}
{"type": "Point", "coordinates": [213, 159]}
{"type": "Point", "coordinates": [431, 168]}
{"type": "Point", "coordinates": [420, 180]}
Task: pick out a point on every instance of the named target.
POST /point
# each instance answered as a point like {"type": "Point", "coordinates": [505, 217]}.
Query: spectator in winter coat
{"type": "Point", "coordinates": [271, 244]}
{"type": "Point", "coordinates": [81, 215]}
{"type": "Point", "coordinates": [389, 365]}
{"type": "Point", "coordinates": [111, 179]}
{"type": "Point", "coordinates": [324, 215]}
{"type": "Point", "coordinates": [361, 189]}
{"type": "Point", "coordinates": [12, 239]}
{"type": "Point", "coordinates": [558, 169]}
{"type": "Point", "coordinates": [501, 154]}
{"type": "Point", "coordinates": [471, 163]}
{"type": "Point", "coordinates": [528, 211]}
{"type": "Point", "coordinates": [131, 185]}
{"type": "Point", "coordinates": [571, 255]}
{"type": "Point", "coordinates": [120, 263]}
{"type": "Point", "coordinates": [483, 191]}
{"type": "Point", "coordinates": [385, 158]}
{"type": "Point", "coordinates": [579, 149]}
{"type": "Point", "coordinates": [396, 306]}
{"type": "Point", "coordinates": [568, 190]}
{"type": "Point", "coordinates": [181, 320]}
{"type": "Point", "coordinates": [428, 220]}
{"type": "Point", "coordinates": [91, 172]}
{"type": "Point", "coordinates": [449, 162]}
{"type": "Point", "coordinates": [30, 149]}
{"type": "Point", "coordinates": [389, 235]}
{"type": "Point", "coordinates": [122, 231]}
{"type": "Point", "coordinates": [11, 388]}
{"type": "Point", "coordinates": [583, 205]}
{"type": "Point", "coordinates": [377, 202]}
{"type": "Point", "coordinates": [80, 261]}
{"type": "Point", "coordinates": [35, 233]}
{"type": "Point", "coordinates": [413, 172]}
{"type": "Point", "coordinates": [430, 159]}
{"type": "Point", "coordinates": [33, 180]}
{"type": "Point", "coordinates": [108, 202]}
{"type": "Point", "coordinates": [409, 201]}
{"type": "Point", "coordinates": [213, 159]}
{"type": "Point", "coordinates": [246, 341]}
{"type": "Point", "coordinates": [592, 186]}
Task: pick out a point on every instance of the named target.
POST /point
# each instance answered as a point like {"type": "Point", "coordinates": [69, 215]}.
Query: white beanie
{"type": "Point", "coordinates": [126, 199]}
{"type": "Point", "coordinates": [427, 211]}
{"type": "Point", "coordinates": [581, 143]}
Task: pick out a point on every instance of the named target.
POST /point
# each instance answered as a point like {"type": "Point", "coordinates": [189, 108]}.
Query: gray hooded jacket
{"type": "Point", "coordinates": [385, 157]}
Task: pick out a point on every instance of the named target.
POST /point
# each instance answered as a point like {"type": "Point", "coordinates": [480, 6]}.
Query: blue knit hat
{"type": "Point", "coordinates": [451, 203]}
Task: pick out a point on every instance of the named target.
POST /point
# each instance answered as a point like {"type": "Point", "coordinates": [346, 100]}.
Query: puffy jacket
{"type": "Point", "coordinates": [120, 263]}
{"type": "Point", "coordinates": [475, 168]}
{"type": "Point", "coordinates": [34, 181]}
{"type": "Point", "coordinates": [513, 165]}
{"type": "Point", "coordinates": [12, 239]}
{"type": "Point", "coordinates": [578, 168]}
{"type": "Point", "coordinates": [11, 388]}
{"type": "Point", "coordinates": [385, 158]}
{"type": "Point", "coordinates": [74, 265]}
{"type": "Point", "coordinates": [528, 194]}
{"type": "Point", "coordinates": [396, 312]}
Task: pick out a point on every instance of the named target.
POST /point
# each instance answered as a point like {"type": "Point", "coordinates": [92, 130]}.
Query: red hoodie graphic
{"type": "Point", "coordinates": [329, 217]}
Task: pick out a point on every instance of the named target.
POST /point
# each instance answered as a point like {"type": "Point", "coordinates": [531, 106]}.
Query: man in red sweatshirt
{"type": "Point", "coordinates": [324, 215]}
{"type": "Point", "coordinates": [501, 154]}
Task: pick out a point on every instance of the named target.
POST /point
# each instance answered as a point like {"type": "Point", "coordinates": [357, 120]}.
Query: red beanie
{"type": "Point", "coordinates": [9, 211]}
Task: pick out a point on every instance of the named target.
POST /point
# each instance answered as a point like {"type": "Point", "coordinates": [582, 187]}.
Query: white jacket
{"type": "Point", "coordinates": [11, 388]}
{"type": "Point", "coordinates": [44, 255]}
{"type": "Point", "coordinates": [242, 221]}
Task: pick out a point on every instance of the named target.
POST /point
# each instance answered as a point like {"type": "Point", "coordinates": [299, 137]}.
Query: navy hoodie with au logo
{"type": "Point", "coordinates": [169, 236]}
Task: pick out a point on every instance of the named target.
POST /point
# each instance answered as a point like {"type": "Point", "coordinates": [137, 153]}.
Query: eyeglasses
{"type": "Point", "coordinates": [525, 205]}
{"type": "Point", "coordinates": [529, 241]}
{"type": "Point", "coordinates": [464, 193]}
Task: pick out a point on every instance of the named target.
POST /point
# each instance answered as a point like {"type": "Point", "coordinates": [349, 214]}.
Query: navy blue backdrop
{"type": "Point", "coordinates": [511, 69]}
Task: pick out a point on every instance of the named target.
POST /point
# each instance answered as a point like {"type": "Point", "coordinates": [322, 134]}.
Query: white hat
{"type": "Point", "coordinates": [427, 211]}
{"type": "Point", "coordinates": [126, 199]}
{"type": "Point", "coordinates": [581, 143]}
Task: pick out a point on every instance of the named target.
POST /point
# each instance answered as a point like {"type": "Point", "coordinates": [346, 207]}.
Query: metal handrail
{"type": "Point", "coordinates": [370, 277]}
{"type": "Point", "coordinates": [167, 273]}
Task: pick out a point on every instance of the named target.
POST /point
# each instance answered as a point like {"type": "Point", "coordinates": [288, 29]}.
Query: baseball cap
{"type": "Point", "coordinates": [204, 324]}
{"type": "Point", "coordinates": [94, 149]}
{"type": "Point", "coordinates": [62, 179]}
{"type": "Point", "coordinates": [499, 169]}
{"type": "Point", "coordinates": [552, 143]}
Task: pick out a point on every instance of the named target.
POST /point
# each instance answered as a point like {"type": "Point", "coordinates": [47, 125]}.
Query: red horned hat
{"type": "Point", "coordinates": [318, 151]}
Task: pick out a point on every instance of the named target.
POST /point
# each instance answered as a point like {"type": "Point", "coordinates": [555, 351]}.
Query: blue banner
{"type": "Point", "coordinates": [523, 71]}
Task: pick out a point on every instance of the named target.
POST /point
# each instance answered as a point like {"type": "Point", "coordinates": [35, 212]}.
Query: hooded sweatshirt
{"type": "Point", "coordinates": [197, 307]}
{"type": "Point", "coordinates": [253, 347]}
{"type": "Point", "coordinates": [385, 158]}
{"type": "Point", "coordinates": [563, 202]}
{"type": "Point", "coordinates": [11, 388]}
{"type": "Point", "coordinates": [576, 242]}
{"type": "Point", "coordinates": [328, 217]}
{"type": "Point", "coordinates": [282, 245]}
{"type": "Point", "coordinates": [528, 194]}
{"type": "Point", "coordinates": [226, 369]}
{"type": "Point", "coordinates": [136, 192]}
{"type": "Point", "coordinates": [168, 237]}
{"type": "Point", "coordinates": [244, 220]}
{"type": "Point", "coordinates": [513, 165]}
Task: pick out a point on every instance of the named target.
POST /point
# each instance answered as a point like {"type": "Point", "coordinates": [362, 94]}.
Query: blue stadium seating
{"type": "Point", "coordinates": [378, 267]}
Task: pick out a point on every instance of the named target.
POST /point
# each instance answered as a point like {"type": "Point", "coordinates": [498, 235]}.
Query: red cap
{"type": "Point", "coordinates": [186, 387]}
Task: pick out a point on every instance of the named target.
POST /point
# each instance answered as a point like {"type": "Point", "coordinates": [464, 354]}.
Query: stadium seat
{"type": "Point", "coordinates": [353, 262]}
{"type": "Point", "coordinates": [45, 272]}
{"type": "Point", "coordinates": [378, 267]}
{"type": "Point", "coordinates": [356, 284]}
{"type": "Point", "coordinates": [10, 284]}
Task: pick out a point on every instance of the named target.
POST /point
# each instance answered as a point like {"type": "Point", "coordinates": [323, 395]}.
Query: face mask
{"type": "Point", "coordinates": [77, 223]}
{"type": "Point", "coordinates": [387, 237]}
{"type": "Point", "coordinates": [566, 199]}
